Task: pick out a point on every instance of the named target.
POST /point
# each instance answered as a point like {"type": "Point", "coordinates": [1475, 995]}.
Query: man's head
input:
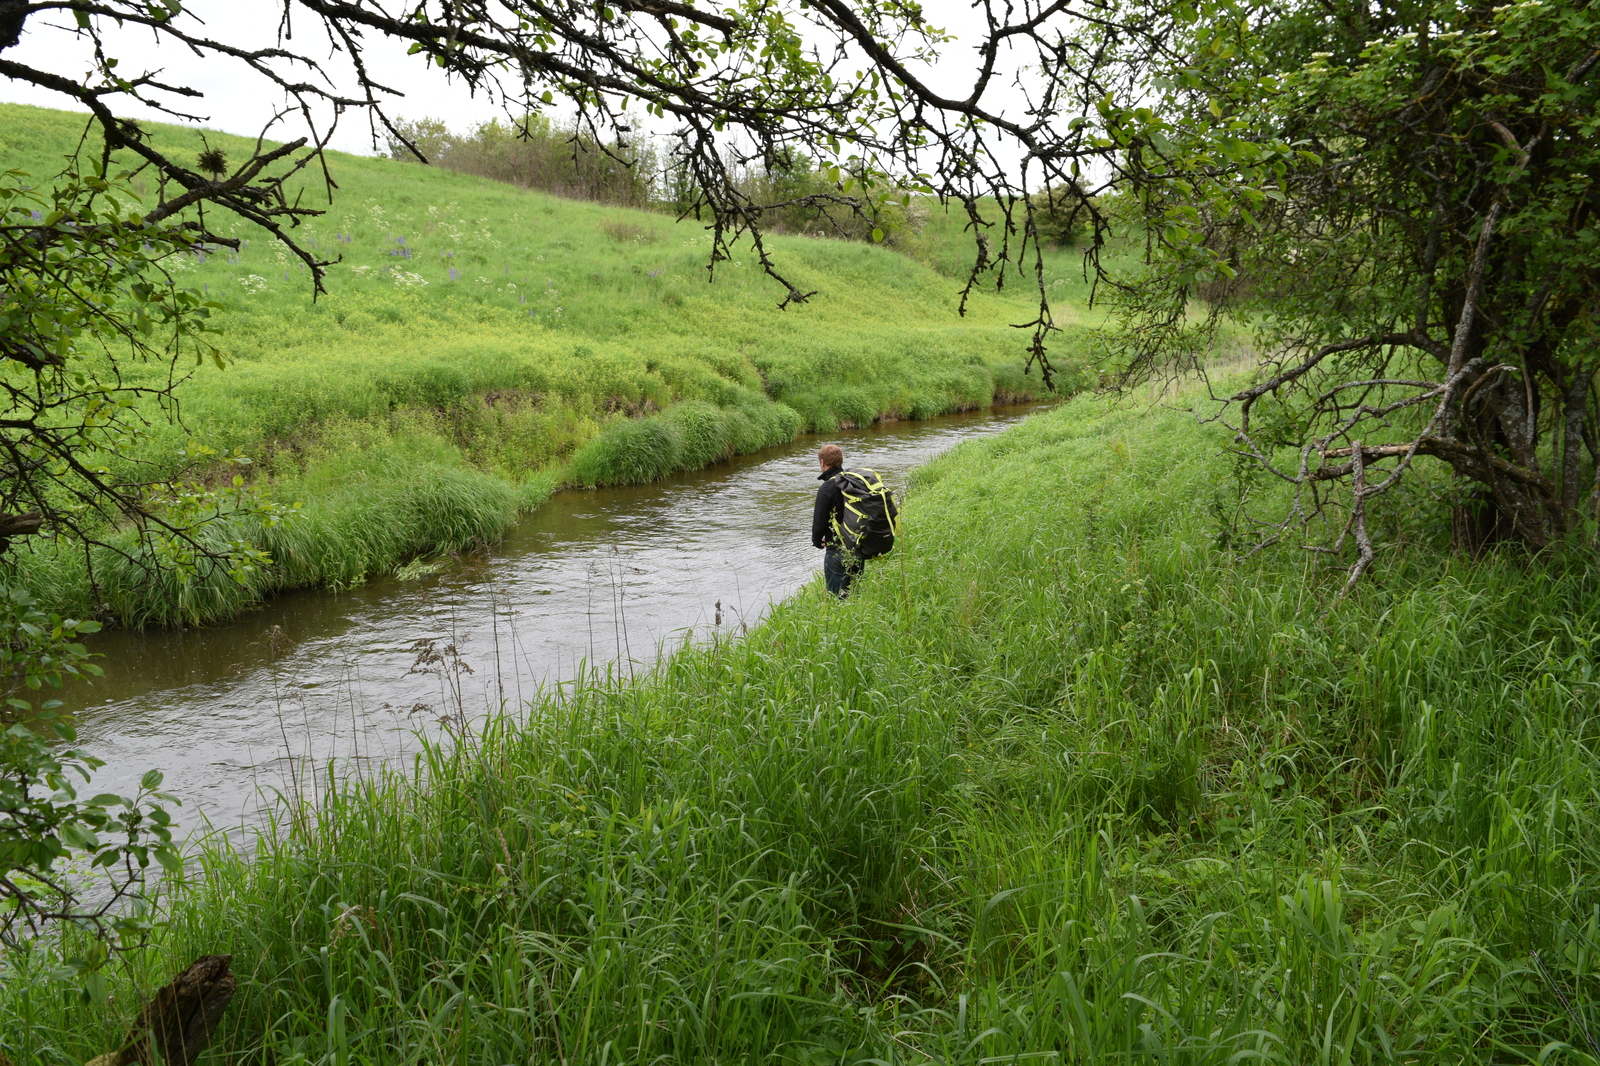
{"type": "Point", "coordinates": [829, 456]}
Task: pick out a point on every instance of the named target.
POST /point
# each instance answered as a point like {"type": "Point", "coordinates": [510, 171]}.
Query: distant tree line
{"type": "Point", "coordinates": [534, 153]}
{"type": "Point", "coordinates": [797, 194]}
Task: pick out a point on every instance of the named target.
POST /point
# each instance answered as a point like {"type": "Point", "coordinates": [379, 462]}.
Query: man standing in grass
{"type": "Point", "coordinates": [854, 519]}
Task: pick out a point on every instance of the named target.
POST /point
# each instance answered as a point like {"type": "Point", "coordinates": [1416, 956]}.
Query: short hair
{"type": "Point", "coordinates": [831, 455]}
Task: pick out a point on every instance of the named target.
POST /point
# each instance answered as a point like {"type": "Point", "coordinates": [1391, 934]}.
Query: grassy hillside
{"type": "Point", "coordinates": [1063, 781]}
{"type": "Point", "coordinates": [492, 343]}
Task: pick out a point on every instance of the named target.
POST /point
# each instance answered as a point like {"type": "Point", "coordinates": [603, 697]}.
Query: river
{"type": "Point", "coordinates": [236, 714]}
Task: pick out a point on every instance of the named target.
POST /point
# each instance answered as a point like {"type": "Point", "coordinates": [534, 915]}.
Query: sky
{"type": "Point", "coordinates": [238, 101]}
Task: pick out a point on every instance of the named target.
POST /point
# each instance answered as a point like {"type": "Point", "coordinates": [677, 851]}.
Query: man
{"type": "Point", "coordinates": [839, 566]}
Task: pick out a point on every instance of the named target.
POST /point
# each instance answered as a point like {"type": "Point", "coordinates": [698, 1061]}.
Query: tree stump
{"type": "Point", "coordinates": [177, 1023]}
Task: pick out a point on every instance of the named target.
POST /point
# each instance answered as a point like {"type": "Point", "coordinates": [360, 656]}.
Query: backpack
{"type": "Point", "coordinates": [870, 517]}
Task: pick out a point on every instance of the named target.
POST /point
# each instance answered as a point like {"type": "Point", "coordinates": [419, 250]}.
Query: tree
{"type": "Point", "coordinates": [534, 154]}
{"type": "Point", "coordinates": [1404, 199]}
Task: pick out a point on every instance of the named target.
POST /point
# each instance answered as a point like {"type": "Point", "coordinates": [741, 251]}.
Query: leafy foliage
{"type": "Point", "coordinates": [43, 819]}
{"type": "Point", "coordinates": [1404, 200]}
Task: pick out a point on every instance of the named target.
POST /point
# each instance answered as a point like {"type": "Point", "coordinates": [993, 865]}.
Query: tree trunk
{"type": "Point", "coordinates": [1477, 524]}
{"type": "Point", "coordinates": [177, 1023]}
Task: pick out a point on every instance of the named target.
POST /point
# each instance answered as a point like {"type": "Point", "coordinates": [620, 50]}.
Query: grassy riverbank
{"type": "Point", "coordinates": [489, 343]}
{"type": "Point", "coordinates": [1062, 782]}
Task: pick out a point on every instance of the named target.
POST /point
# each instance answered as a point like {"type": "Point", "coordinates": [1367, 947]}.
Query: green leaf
{"type": "Point", "coordinates": [170, 860]}
{"type": "Point", "coordinates": [77, 836]}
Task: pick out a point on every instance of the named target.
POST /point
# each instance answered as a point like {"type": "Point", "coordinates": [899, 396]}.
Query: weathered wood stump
{"type": "Point", "coordinates": [177, 1023]}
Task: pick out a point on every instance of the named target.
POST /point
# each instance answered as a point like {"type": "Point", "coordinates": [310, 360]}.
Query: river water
{"type": "Point", "coordinates": [237, 714]}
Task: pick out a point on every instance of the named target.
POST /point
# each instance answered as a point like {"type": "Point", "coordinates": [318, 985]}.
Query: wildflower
{"type": "Point", "coordinates": [1321, 55]}
{"type": "Point", "coordinates": [408, 279]}
{"type": "Point", "coordinates": [251, 283]}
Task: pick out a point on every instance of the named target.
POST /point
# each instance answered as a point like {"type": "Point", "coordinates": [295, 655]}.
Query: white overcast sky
{"type": "Point", "coordinates": [238, 101]}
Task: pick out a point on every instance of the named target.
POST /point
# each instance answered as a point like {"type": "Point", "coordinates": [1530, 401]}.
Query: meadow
{"type": "Point", "coordinates": [492, 344]}
{"type": "Point", "coordinates": [1064, 781]}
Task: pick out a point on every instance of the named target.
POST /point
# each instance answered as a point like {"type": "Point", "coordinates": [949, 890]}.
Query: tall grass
{"type": "Point", "coordinates": [688, 437]}
{"type": "Point", "coordinates": [1063, 781]}
{"type": "Point", "coordinates": [516, 329]}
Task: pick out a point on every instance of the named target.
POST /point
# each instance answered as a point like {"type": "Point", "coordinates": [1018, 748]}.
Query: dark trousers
{"type": "Point", "coordinates": [838, 570]}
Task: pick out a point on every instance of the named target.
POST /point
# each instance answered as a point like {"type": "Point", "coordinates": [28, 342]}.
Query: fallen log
{"type": "Point", "coordinates": [177, 1023]}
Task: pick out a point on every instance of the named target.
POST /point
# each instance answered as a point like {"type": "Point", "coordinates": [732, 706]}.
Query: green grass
{"type": "Point", "coordinates": [1063, 781]}
{"type": "Point", "coordinates": [512, 333]}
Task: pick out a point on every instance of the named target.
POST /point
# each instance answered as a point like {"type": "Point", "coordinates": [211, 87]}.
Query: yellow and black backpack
{"type": "Point", "coordinates": [869, 519]}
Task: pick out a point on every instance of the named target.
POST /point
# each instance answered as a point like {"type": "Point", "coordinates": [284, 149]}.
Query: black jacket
{"type": "Point", "coordinates": [830, 505]}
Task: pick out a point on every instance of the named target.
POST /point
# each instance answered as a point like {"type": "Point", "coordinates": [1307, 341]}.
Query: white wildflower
{"type": "Point", "coordinates": [253, 283]}
{"type": "Point", "coordinates": [408, 279]}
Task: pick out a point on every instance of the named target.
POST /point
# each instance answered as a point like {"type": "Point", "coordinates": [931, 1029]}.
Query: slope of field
{"type": "Point", "coordinates": [1062, 782]}
{"type": "Point", "coordinates": [492, 343]}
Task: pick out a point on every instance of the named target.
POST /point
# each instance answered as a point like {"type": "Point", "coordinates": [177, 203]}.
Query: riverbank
{"type": "Point", "coordinates": [480, 345]}
{"type": "Point", "coordinates": [1062, 780]}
